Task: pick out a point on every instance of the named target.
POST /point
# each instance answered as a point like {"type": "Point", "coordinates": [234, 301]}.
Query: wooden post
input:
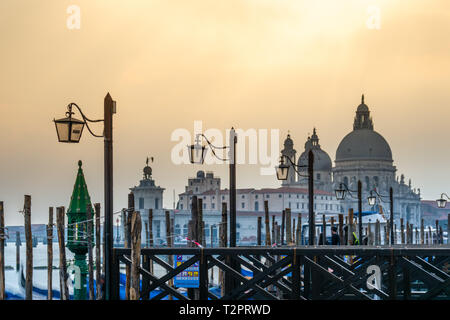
{"type": "Point", "coordinates": [169, 244]}
{"type": "Point", "coordinates": [90, 253]}
{"type": "Point", "coordinates": [283, 225]}
{"type": "Point", "coordinates": [402, 231]}
{"type": "Point", "coordinates": [417, 236]}
{"type": "Point", "coordinates": [258, 231]}
{"type": "Point", "coordinates": [29, 251]}
{"type": "Point", "coordinates": [437, 232]}
{"type": "Point", "coordinates": [62, 254]}
{"type": "Point", "coordinates": [298, 236]}
{"type": "Point", "coordinates": [135, 234]}
{"type": "Point", "coordinates": [18, 243]}
{"type": "Point", "coordinates": [267, 221]}
{"type": "Point", "coordinates": [223, 243]}
{"type": "Point", "coordinates": [341, 229]}
{"type": "Point", "coordinates": [395, 233]}
{"type": "Point", "coordinates": [127, 242]}
{"type": "Point", "coordinates": [350, 226]}
{"type": "Point", "coordinates": [97, 251]}
{"type": "Point", "coordinates": [422, 232]}
{"type": "Point", "coordinates": [430, 235]}
{"type": "Point", "coordinates": [212, 246]}
{"type": "Point", "coordinates": [150, 230]}
{"type": "Point", "coordinates": [274, 239]}
{"type": "Point", "coordinates": [2, 253]}
{"type": "Point", "coordinates": [324, 230]}
{"type": "Point", "coordinates": [50, 254]}
{"type": "Point", "coordinates": [293, 232]}
{"type": "Point", "coordinates": [448, 228]}
{"type": "Point", "coordinates": [288, 227]}
{"type": "Point", "coordinates": [146, 234]}
{"type": "Point", "coordinates": [200, 221]}
{"type": "Point", "coordinates": [378, 233]}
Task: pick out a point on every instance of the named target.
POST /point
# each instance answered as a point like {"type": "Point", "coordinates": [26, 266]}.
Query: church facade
{"type": "Point", "coordinates": [363, 154]}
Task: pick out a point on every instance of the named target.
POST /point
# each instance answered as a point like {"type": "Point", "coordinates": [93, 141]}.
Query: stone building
{"type": "Point", "coordinates": [363, 155]}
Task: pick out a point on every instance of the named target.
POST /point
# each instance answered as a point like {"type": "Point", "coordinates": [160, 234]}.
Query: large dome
{"type": "Point", "coordinates": [363, 144]}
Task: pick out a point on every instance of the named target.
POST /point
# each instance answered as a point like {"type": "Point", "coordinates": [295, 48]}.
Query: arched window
{"type": "Point", "coordinates": [185, 230]}
{"type": "Point", "coordinates": [346, 180]}
{"type": "Point", "coordinates": [375, 181]}
{"type": "Point", "coordinates": [177, 229]}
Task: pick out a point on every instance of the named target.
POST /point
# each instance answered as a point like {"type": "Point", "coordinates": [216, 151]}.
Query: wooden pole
{"type": "Point", "coordinates": [2, 253]}
{"type": "Point", "coordinates": [212, 246]}
{"type": "Point", "coordinates": [341, 229]}
{"type": "Point", "coordinates": [430, 235]}
{"type": "Point", "coordinates": [150, 230]}
{"type": "Point", "coordinates": [437, 231]}
{"type": "Point", "coordinates": [18, 243]}
{"type": "Point", "coordinates": [135, 235]}
{"type": "Point", "coordinates": [146, 234]}
{"type": "Point", "coordinates": [422, 232]}
{"type": "Point", "coordinates": [448, 228]}
{"type": "Point", "coordinates": [274, 239]}
{"type": "Point", "coordinates": [90, 253]}
{"type": "Point", "coordinates": [267, 221]}
{"type": "Point", "coordinates": [62, 254]}
{"type": "Point", "coordinates": [169, 244]}
{"type": "Point", "coordinates": [395, 233]}
{"type": "Point", "coordinates": [283, 226]}
{"type": "Point", "coordinates": [97, 251]}
{"type": "Point", "coordinates": [402, 231]}
{"type": "Point", "coordinates": [258, 231]}
{"type": "Point", "coordinates": [223, 244]}
{"type": "Point", "coordinates": [50, 254]}
{"type": "Point", "coordinates": [294, 241]}
{"type": "Point", "coordinates": [200, 221]}
{"type": "Point", "coordinates": [127, 242]}
{"type": "Point", "coordinates": [288, 222]}
{"type": "Point", "coordinates": [29, 250]}
{"type": "Point", "coordinates": [324, 230]}
{"type": "Point", "coordinates": [378, 233]}
{"type": "Point", "coordinates": [298, 237]}
{"type": "Point", "coordinates": [350, 226]}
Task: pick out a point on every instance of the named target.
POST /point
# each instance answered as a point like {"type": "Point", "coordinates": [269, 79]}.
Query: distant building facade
{"type": "Point", "coordinates": [363, 155]}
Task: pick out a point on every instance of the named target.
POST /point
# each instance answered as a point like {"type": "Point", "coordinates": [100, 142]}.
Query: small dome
{"type": "Point", "coordinates": [363, 144]}
{"type": "Point", "coordinates": [200, 174]}
{"type": "Point", "coordinates": [322, 161]}
{"type": "Point", "coordinates": [362, 108]}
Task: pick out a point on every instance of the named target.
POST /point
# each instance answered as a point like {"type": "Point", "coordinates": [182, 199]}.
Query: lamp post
{"type": "Point", "coordinates": [69, 130]}
{"type": "Point", "coordinates": [282, 173]}
{"type": "Point", "coordinates": [197, 154]}
{"type": "Point", "coordinates": [340, 195]}
{"type": "Point", "coordinates": [372, 200]}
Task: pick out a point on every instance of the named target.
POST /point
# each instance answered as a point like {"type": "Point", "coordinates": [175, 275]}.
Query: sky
{"type": "Point", "coordinates": [250, 64]}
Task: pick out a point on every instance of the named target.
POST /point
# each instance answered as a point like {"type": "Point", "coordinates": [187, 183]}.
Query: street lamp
{"type": "Point", "coordinates": [197, 155]}
{"type": "Point", "coordinates": [341, 194]}
{"type": "Point", "coordinates": [441, 203]}
{"type": "Point", "coordinates": [282, 173]}
{"type": "Point", "coordinates": [372, 200]}
{"type": "Point", "coordinates": [69, 130]}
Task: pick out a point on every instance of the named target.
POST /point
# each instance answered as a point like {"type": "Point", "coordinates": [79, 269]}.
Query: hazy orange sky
{"type": "Point", "coordinates": [263, 64]}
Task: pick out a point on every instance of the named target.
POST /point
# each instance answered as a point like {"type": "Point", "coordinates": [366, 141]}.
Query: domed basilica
{"type": "Point", "coordinates": [364, 155]}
